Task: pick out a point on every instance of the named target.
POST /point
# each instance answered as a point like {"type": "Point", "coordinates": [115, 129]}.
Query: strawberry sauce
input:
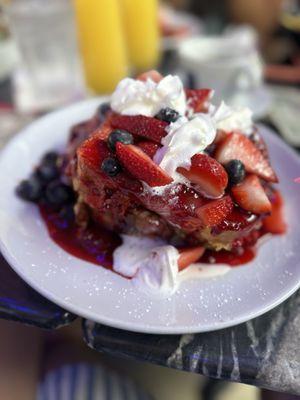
{"type": "Point", "coordinates": [227, 257]}
{"type": "Point", "coordinates": [91, 244]}
{"type": "Point", "coordinates": [96, 245]}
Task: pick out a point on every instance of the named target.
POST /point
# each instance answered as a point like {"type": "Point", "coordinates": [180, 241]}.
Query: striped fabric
{"type": "Point", "coordinates": [88, 382]}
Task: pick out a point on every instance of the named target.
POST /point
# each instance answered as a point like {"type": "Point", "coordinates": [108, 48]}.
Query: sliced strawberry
{"type": "Point", "coordinates": [188, 256]}
{"type": "Point", "coordinates": [94, 151]}
{"type": "Point", "coordinates": [259, 142]}
{"type": "Point", "coordinates": [251, 196]}
{"type": "Point", "coordinates": [198, 99]}
{"type": "Point", "coordinates": [140, 125]}
{"type": "Point", "coordinates": [275, 223]}
{"type": "Point", "coordinates": [215, 211]}
{"type": "Point", "coordinates": [209, 175]}
{"type": "Point", "coordinates": [237, 146]}
{"type": "Point", "coordinates": [141, 166]}
{"type": "Point", "coordinates": [149, 148]}
{"type": "Point", "coordinates": [152, 74]}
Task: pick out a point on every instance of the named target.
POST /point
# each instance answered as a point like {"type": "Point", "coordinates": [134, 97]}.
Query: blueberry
{"type": "Point", "coordinates": [47, 172]}
{"type": "Point", "coordinates": [111, 166]}
{"type": "Point", "coordinates": [30, 189]}
{"type": "Point", "coordinates": [236, 171]}
{"type": "Point", "coordinates": [119, 135]}
{"type": "Point", "coordinates": [50, 158]}
{"type": "Point", "coordinates": [58, 194]}
{"type": "Point", "coordinates": [103, 110]}
{"type": "Point", "coordinates": [167, 114]}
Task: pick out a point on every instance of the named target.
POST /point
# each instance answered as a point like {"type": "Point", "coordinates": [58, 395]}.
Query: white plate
{"type": "Point", "coordinates": [105, 297]}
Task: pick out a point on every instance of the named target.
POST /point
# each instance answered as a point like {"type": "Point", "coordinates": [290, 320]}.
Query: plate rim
{"type": "Point", "coordinates": [93, 315]}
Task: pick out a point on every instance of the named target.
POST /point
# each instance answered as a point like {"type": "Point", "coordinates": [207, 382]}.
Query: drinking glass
{"type": "Point", "coordinates": [140, 20]}
{"type": "Point", "coordinates": [102, 43]}
{"type": "Point", "coordinates": [46, 37]}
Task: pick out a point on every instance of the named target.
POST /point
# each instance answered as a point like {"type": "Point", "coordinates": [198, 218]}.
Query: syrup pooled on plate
{"type": "Point", "coordinates": [92, 244]}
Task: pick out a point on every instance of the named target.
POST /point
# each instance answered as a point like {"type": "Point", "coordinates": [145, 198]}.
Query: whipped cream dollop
{"type": "Point", "coordinates": [132, 251]}
{"type": "Point", "coordinates": [158, 272]}
{"type": "Point", "coordinates": [185, 138]}
{"type": "Point", "coordinates": [229, 119]}
{"type": "Point", "coordinates": [153, 265]}
{"type": "Point", "coordinates": [135, 97]}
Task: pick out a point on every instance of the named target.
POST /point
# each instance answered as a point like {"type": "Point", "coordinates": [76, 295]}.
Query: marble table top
{"type": "Point", "coordinates": [263, 352]}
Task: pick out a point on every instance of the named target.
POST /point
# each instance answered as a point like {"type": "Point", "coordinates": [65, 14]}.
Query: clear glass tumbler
{"type": "Point", "coordinates": [45, 34]}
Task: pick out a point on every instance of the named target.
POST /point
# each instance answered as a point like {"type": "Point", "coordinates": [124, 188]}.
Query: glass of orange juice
{"type": "Point", "coordinates": [140, 19]}
{"type": "Point", "coordinates": [102, 43]}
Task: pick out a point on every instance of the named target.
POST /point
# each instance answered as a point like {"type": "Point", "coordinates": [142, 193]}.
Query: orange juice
{"type": "Point", "coordinates": [140, 18]}
{"type": "Point", "coordinates": [102, 43]}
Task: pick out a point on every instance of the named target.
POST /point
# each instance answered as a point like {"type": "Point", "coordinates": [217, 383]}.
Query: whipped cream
{"type": "Point", "coordinates": [134, 97]}
{"type": "Point", "coordinates": [158, 272]}
{"type": "Point", "coordinates": [128, 256]}
{"type": "Point", "coordinates": [229, 119]}
{"type": "Point", "coordinates": [185, 138]}
{"type": "Point", "coordinates": [153, 265]}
